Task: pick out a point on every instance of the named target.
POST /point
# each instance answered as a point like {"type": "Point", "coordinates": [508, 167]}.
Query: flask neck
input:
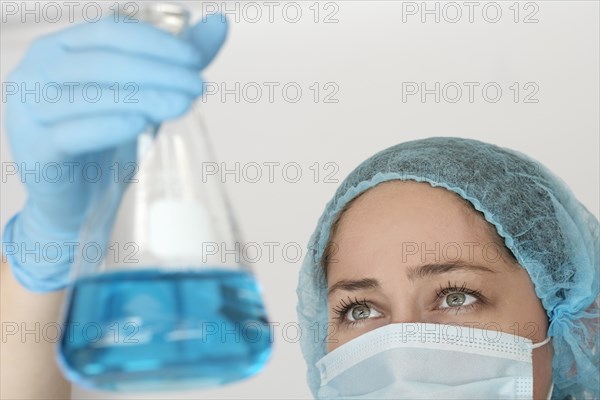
{"type": "Point", "coordinates": [172, 18]}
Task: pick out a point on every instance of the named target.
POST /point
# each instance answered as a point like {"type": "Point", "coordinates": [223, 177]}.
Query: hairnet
{"type": "Point", "coordinates": [551, 234]}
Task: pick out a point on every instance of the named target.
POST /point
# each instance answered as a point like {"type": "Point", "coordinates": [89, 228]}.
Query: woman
{"type": "Point", "coordinates": [452, 232]}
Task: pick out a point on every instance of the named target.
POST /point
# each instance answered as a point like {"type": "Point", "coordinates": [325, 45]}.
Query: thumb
{"type": "Point", "coordinates": [208, 35]}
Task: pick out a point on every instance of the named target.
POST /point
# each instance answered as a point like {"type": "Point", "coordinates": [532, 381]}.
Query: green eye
{"type": "Point", "coordinates": [354, 311]}
{"type": "Point", "coordinates": [459, 298]}
{"type": "Point", "coordinates": [456, 299]}
{"type": "Point", "coordinates": [360, 312]}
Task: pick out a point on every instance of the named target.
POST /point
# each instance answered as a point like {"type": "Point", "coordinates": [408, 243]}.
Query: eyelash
{"type": "Point", "coordinates": [454, 288]}
{"type": "Point", "coordinates": [343, 307]}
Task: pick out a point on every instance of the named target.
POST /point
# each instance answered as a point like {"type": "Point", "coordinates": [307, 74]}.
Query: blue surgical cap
{"type": "Point", "coordinates": [551, 234]}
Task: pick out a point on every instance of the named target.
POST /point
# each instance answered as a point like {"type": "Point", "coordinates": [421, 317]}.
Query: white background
{"type": "Point", "coordinates": [368, 53]}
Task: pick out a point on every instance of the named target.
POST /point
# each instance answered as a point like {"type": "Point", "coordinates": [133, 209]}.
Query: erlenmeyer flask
{"type": "Point", "coordinates": [169, 301]}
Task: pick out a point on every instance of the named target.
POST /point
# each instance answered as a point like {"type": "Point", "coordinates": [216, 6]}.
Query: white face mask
{"type": "Point", "coordinates": [429, 361]}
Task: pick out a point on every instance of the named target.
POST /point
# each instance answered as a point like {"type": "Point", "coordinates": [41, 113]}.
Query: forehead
{"type": "Point", "coordinates": [415, 205]}
{"type": "Point", "coordinates": [384, 221]}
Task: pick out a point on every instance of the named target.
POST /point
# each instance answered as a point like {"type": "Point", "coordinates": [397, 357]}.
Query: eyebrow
{"type": "Point", "coordinates": [413, 273]}
{"type": "Point", "coordinates": [428, 270]}
{"type": "Point", "coordinates": [353, 285]}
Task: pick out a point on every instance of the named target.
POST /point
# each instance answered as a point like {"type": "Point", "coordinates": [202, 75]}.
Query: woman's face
{"type": "Point", "coordinates": [408, 252]}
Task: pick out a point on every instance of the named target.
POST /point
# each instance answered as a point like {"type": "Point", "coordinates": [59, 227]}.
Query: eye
{"type": "Point", "coordinates": [457, 299]}
{"type": "Point", "coordinates": [362, 311]}
{"type": "Point", "coordinates": [354, 311]}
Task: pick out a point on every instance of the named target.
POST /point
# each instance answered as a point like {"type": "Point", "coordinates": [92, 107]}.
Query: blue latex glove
{"type": "Point", "coordinates": [82, 134]}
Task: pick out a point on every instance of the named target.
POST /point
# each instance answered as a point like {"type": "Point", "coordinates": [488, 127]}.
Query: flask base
{"type": "Point", "coordinates": [153, 329]}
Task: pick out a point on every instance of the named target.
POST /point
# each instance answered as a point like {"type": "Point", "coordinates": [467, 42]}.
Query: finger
{"type": "Point", "coordinates": [106, 68]}
{"type": "Point", "coordinates": [155, 105]}
{"type": "Point", "coordinates": [95, 133]}
{"type": "Point", "coordinates": [208, 35]}
{"type": "Point", "coordinates": [138, 38]}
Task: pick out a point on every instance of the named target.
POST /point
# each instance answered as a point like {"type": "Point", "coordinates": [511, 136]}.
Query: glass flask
{"type": "Point", "coordinates": [160, 296]}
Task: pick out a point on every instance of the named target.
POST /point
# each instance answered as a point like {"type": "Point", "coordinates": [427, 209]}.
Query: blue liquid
{"type": "Point", "coordinates": [158, 330]}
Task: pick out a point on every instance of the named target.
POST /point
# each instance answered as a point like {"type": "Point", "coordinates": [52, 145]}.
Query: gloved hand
{"type": "Point", "coordinates": [114, 80]}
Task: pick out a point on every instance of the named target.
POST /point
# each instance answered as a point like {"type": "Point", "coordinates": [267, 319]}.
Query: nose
{"type": "Point", "coordinates": [405, 312]}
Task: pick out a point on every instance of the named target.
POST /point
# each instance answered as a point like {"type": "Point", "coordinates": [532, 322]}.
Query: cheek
{"type": "Point", "coordinates": [336, 335]}
{"type": "Point", "coordinates": [542, 371]}
{"type": "Point", "coordinates": [334, 338]}
{"type": "Point", "coordinates": [339, 333]}
{"type": "Point", "coordinates": [522, 310]}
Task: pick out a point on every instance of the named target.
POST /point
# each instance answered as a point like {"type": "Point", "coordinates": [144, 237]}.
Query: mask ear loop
{"type": "Point", "coordinates": [540, 344]}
